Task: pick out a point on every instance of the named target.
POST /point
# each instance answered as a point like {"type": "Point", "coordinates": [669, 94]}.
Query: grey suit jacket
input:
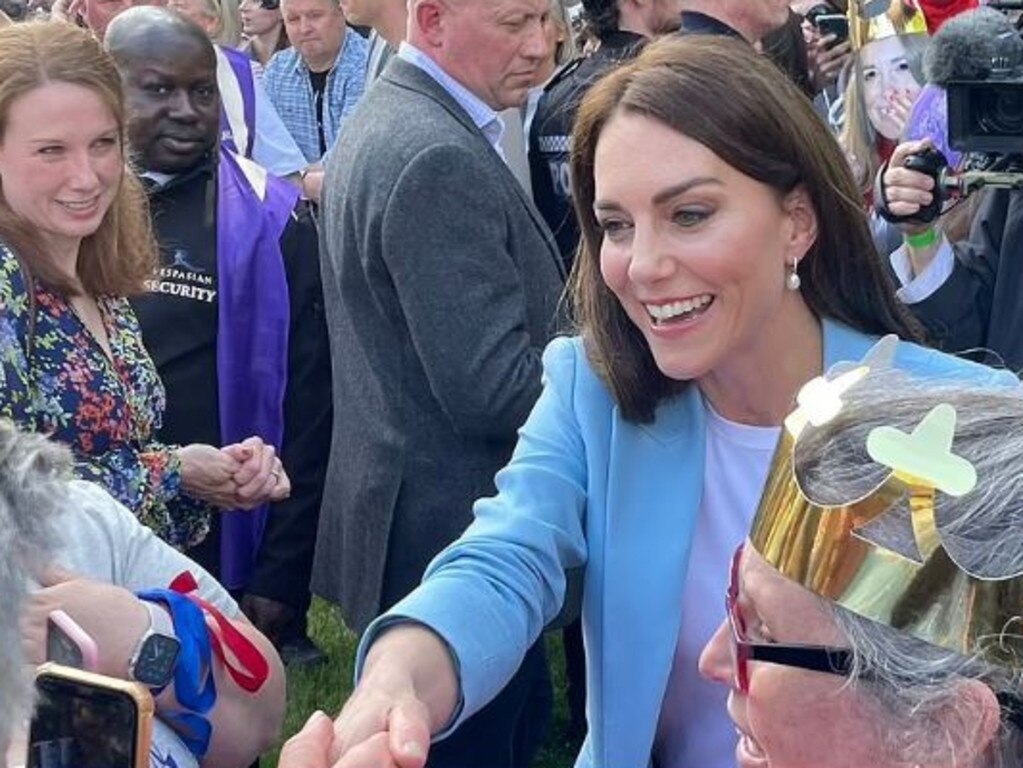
{"type": "Point", "coordinates": [442, 285]}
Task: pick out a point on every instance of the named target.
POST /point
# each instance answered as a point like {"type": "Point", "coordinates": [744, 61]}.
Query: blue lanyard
{"type": "Point", "coordinates": [194, 685]}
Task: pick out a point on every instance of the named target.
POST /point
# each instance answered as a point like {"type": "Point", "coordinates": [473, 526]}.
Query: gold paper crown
{"type": "Point", "coordinates": [873, 20]}
{"type": "Point", "coordinates": [916, 586]}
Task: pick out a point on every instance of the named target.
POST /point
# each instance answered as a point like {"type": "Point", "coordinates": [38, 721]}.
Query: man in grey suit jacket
{"type": "Point", "coordinates": [442, 284]}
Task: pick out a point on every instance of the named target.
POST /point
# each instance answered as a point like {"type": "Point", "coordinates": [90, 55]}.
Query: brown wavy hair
{"type": "Point", "coordinates": [736, 103]}
{"type": "Point", "coordinates": [121, 254]}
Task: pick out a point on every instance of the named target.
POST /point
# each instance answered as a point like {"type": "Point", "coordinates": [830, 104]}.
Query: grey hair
{"type": "Point", "coordinates": [982, 531]}
{"type": "Point", "coordinates": [33, 491]}
{"type": "Point", "coordinates": [914, 681]}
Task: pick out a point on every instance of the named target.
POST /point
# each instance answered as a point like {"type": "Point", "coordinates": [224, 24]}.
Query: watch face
{"type": "Point", "coordinates": [156, 660]}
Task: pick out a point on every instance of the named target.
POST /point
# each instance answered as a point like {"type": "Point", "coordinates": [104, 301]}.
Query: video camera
{"type": "Point", "coordinates": [986, 114]}
{"type": "Point", "coordinates": [980, 66]}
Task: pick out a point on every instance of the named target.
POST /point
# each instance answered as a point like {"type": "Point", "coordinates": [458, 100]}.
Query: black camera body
{"type": "Point", "coordinates": [987, 115]}
{"type": "Point", "coordinates": [985, 112]}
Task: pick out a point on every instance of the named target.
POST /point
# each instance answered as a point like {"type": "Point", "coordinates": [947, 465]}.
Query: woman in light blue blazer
{"type": "Point", "coordinates": [725, 262]}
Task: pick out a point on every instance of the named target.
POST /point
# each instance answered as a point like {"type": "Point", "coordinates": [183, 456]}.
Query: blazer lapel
{"type": "Point", "coordinates": [653, 496]}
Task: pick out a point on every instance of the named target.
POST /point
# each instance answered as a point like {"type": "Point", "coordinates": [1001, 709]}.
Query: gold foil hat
{"type": "Point", "coordinates": [873, 20]}
{"type": "Point", "coordinates": [884, 555]}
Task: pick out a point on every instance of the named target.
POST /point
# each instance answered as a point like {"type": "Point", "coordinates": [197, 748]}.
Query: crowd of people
{"type": "Point", "coordinates": [485, 319]}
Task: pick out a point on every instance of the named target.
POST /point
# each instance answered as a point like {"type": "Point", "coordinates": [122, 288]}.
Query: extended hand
{"type": "Point", "coordinates": [380, 730]}
{"type": "Point", "coordinates": [310, 747]}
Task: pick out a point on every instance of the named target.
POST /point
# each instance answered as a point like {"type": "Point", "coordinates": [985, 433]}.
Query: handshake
{"type": "Point", "coordinates": [240, 476]}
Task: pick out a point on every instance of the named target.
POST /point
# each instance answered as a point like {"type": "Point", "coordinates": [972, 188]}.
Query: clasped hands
{"type": "Point", "coordinates": [408, 690]}
{"type": "Point", "coordinates": [399, 741]}
{"type": "Point", "coordinates": [239, 476]}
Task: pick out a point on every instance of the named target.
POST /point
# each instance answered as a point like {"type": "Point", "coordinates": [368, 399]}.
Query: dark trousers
{"type": "Point", "coordinates": [509, 731]}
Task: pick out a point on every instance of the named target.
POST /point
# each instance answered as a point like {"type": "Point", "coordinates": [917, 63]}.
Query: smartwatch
{"type": "Point", "coordinates": [156, 655]}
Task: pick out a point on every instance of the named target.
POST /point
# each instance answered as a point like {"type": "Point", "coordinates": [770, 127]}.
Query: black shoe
{"type": "Point", "coordinates": [301, 652]}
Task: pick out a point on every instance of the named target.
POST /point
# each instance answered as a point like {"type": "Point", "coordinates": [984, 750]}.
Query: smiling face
{"type": "Point", "coordinates": [793, 718]}
{"type": "Point", "coordinates": [61, 162]}
{"type": "Point", "coordinates": [173, 103]}
{"type": "Point", "coordinates": [888, 81]}
{"type": "Point", "coordinates": [695, 251]}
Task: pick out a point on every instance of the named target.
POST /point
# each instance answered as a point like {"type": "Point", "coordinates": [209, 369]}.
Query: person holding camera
{"type": "Point", "coordinates": [965, 293]}
{"type": "Point", "coordinates": [966, 290]}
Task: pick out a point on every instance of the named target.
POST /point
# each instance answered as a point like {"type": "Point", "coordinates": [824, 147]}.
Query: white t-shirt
{"type": "Point", "coordinates": [103, 541]}
{"type": "Point", "coordinates": [694, 730]}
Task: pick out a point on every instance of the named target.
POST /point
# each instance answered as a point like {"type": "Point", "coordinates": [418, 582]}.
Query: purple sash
{"type": "Point", "coordinates": [252, 337]}
{"type": "Point", "coordinates": [241, 65]}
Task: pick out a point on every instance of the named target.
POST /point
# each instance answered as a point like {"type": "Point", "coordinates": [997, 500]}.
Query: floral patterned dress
{"type": "Point", "coordinates": [61, 382]}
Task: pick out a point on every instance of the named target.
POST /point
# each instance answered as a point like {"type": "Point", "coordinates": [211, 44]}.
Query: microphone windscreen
{"type": "Point", "coordinates": [966, 45]}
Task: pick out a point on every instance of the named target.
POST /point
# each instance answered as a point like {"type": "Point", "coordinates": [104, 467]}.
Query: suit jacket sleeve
{"type": "Point", "coordinates": [285, 557]}
{"type": "Point", "coordinates": [491, 593]}
{"type": "Point", "coordinates": [958, 315]}
{"type": "Point", "coordinates": [446, 244]}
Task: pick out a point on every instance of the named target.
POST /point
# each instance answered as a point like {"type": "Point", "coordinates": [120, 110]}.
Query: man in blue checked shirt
{"type": "Point", "coordinates": [316, 83]}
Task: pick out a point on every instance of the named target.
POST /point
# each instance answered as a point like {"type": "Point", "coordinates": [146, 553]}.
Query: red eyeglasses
{"type": "Point", "coordinates": [816, 658]}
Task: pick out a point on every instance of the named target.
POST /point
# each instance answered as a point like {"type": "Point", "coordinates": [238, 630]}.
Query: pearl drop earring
{"type": "Point", "coordinates": [792, 281]}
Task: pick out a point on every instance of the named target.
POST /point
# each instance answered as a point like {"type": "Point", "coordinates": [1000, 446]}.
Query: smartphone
{"type": "Point", "coordinates": [68, 644]}
{"type": "Point", "coordinates": [836, 24]}
{"type": "Point", "coordinates": [85, 720]}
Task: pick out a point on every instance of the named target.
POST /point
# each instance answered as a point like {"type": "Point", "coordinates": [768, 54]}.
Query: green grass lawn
{"type": "Point", "coordinates": [328, 685]}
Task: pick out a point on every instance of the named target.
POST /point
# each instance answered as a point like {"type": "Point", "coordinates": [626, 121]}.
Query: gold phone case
{"type": "Point", "coordinates": [143, 699]}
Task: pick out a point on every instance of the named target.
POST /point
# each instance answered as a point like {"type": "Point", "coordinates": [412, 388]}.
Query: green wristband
{"type": "Point", "coordinates": [922, 239]}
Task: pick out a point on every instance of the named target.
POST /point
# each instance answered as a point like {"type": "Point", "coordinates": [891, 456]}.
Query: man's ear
{"type": "Point", "coordinates": [427, 16]}
{"type": "Point", "coordinates": [803, 216]}
{"type": "Point", "coordinates": [963, 730]}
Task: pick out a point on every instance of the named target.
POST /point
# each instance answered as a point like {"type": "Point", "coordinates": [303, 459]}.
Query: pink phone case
{"type": "Point", "coordinates": [64, 625]}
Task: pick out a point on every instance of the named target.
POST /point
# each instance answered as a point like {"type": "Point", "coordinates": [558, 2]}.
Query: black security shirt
{"type": "Point", "coordinates": [179, 316]}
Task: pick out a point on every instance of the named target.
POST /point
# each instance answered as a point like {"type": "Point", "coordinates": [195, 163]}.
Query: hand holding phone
{"type": "Point", "coordinates": [835, 24]}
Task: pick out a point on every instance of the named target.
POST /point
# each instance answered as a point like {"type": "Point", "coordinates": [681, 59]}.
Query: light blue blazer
{"type": "Point", "coordinates": [586, 488]}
